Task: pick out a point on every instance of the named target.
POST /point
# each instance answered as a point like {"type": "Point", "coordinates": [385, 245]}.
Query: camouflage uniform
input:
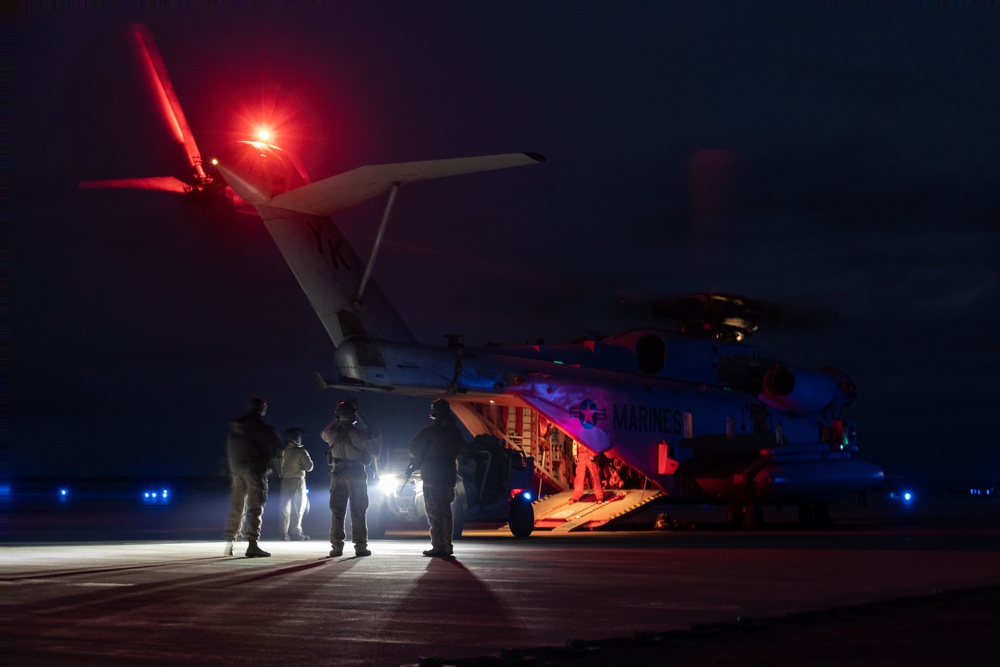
{"type": "Point", "coordinates": [295, 463]}
{"type": "Point", "coordinates": [251, 446]}
{"type": "Point", "coordinates": [351, 449]}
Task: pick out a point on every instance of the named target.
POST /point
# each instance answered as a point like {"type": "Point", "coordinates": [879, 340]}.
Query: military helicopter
{"type": "Point", "coordinates": [690, 414]}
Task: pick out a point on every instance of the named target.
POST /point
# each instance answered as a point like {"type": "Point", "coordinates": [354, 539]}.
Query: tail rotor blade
{"type": "Point", "coordinates": [161, 183]}
{"type": "Point", "coordinates": [170, 107]}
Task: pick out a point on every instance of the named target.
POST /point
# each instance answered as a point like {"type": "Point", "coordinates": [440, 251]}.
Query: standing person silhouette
{"type": "Point", "coordinates": [295, 463]}
{"type": "Point", "coordinates": [434, 452]}
{"type": "Point", "coordinates": [251, 447]}
{"type": "Point", "coordinates": [352, 448]}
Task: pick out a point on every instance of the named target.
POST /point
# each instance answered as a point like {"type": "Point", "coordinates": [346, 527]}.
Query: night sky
{"type": "Point", "coordinates": [839, 159]}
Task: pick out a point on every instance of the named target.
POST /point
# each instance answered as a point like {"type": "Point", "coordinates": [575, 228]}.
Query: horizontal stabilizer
{"type": "Point", "coordinates": [342, 191]}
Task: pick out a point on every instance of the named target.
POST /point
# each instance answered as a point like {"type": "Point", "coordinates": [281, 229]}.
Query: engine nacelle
{"type": "Point", "coordinates": [799, 393]}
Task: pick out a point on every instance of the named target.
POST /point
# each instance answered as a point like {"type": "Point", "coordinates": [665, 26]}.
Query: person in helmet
{"type": "Point", "coordinates": [351, 449]}
{"type": "Point", "coordinates": [251, 447]}
{"type": "Point", "coordinates": [433, 452]}
{"type": "Point", "coordinates": [586, 464]}
{"type": "Point", "coordinates": [295, 463]}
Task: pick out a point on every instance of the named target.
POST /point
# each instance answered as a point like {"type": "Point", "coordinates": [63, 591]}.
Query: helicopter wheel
{"type": "Point", "coordinates": [734, 515]}
{"type": "Point", "coordinates": [753, 515]}
{"type": "Point", "coordinates": [522, 517]}
{"type": "Point", "coordinates": [814, 514]}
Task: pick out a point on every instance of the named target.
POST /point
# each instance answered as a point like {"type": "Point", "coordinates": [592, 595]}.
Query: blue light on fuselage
{"type": "Point", "coordinates": [526, 495]}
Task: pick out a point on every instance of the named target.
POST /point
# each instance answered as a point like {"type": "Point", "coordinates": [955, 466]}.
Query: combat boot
{"type": "Point", "coordinates": [254, 551]}
{"type": "Point", "coordinates": [436, 551]}
{"type": "Point", "coordinates": [360, 552]}
{"type": "Point", "coordinates": [336, 552]}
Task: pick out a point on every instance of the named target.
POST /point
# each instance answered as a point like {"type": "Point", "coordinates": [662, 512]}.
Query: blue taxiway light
{"type": "Point", "coordinates": [162, 496]}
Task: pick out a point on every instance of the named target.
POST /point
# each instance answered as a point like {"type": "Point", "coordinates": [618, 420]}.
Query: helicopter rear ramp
{"type": "Point", "coordinates": [559, 513]}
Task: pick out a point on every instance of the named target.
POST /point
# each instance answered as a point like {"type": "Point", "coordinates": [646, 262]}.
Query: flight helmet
{"type": "Point", "coordinates": [258, 406]}
{"type": "Point", "coordinates": [440, 408]}
{"type": "Point", "coordinates": [294, 435]}
{"type": "Point", "coordinates": [347, 412]}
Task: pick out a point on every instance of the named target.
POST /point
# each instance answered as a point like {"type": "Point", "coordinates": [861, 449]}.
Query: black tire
{"type": "Point", "coordinates": [807, 516]}
{"type": "Point", "coordinates": [377, 518]}
{"type": "Point", "coordinates": [814, 515]}
{"type": "Point", "coordinates": [734, 516]}
{"type": "Point", "coordinates": [753, 515]}
{"type": "Point", "coordinates": [522, 517]}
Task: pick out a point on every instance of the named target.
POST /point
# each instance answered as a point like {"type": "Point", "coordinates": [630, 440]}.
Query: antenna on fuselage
{"type": "Point", "coordinates": [378, 243]}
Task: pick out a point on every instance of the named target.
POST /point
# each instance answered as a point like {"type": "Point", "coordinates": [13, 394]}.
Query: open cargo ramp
{"type": "Point", "coordinates": [559, 513]}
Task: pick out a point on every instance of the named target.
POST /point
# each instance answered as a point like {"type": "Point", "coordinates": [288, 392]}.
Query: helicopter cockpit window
{"type": "Point", "coordinates": [650, 353]}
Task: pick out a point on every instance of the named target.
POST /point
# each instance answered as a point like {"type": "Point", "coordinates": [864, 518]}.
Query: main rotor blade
{"type": "Point", "coordinates": [162, 183]}
{"type": "Point", "coordinates": [170, 106]}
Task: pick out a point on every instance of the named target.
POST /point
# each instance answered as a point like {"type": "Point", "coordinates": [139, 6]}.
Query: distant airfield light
{"type": "Point", "coordinates": [215, 161]}
{"type": "Point", "coordinates": [156, 496]}
{"type": "Point", "coordinates": [526, 495]}
{"type": "Point", "coordinates": [63, 494]}
{"type": "Point", "coordinates": [907, 496]}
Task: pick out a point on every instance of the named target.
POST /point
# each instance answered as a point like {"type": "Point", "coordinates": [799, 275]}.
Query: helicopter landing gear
{"type": "Point", "coordinates": [814, 515]}
{"type": "Point", "coordinates": [749, 515]}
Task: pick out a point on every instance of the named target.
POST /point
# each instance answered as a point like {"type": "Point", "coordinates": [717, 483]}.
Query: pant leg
{"type": "Point", "coordinates": [237, 505]}
{"type": "Point", "coordinates": [299, 503]}
{"type": "Point", "coordinates": [437, 504]}
{"type": "Point", "coordinates": [595, 479]}
{"type": "Point", "coordinates": [256, 499]}
{"type": "Point", "coordinates": [339, 495]}
{"type": "Point", "coordinates": [359, 508]}
{"type": "Point", "coordinates": [580, 480]}
{"type": "Point", "coordinates": [287, 502]}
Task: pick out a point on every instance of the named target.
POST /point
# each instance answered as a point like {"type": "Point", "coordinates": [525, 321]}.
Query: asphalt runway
{"type": "Point", "coordinates": [701, 596]}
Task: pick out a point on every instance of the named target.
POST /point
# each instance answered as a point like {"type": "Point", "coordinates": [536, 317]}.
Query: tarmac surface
{"type": "Point", "coordinates": [885, 585]}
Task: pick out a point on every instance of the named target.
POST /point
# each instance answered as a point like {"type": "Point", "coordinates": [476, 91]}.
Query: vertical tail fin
{"type": "Point", "coordinates": [327, 268]}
